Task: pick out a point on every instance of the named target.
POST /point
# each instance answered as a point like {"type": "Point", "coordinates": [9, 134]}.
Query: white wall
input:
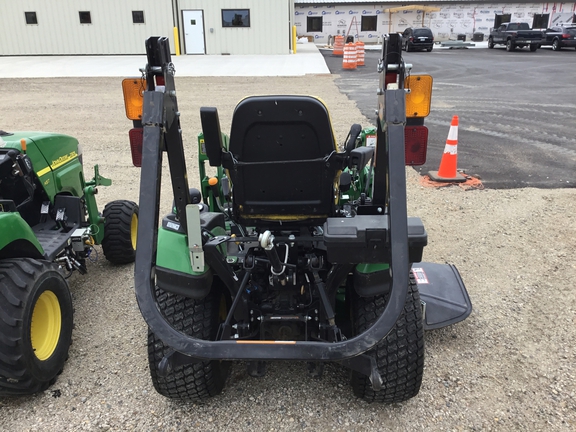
{"type": "Point", "coordinates": [269, 31]}
{"type": "Point", "coordinates": [59, 30]}
{"type": "Point", "coordinates": [451, 20]}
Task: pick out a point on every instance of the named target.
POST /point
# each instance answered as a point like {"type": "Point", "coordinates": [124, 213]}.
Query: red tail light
{"type": "Point", "coordinates": [391, 78]}
{"type": "Point", "coordinates": [136, 138]}
{"type": "Point", "coordinates": [411, 39]}
{"type": "Point", "coordinates": [415, 145]}
{"type": "Point", "coordinates": [160, 80]}
{"type": "Point", "coordinates": [565, 36]}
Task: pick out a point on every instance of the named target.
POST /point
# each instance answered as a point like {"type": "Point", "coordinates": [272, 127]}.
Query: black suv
{"type": "Point", "coordinates": [560, 37]}
{"type": "Point", "coordinates": [417, 39]}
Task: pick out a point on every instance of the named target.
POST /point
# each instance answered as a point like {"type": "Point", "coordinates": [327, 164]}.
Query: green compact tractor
{"type": "Point", "coordinates": [49, 223]}
{"type": "Point", "coordinates": [296, 249]}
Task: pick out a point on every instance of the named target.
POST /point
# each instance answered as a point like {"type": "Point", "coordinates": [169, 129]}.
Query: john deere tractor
{"type": "Point", "coordinates": [49, 224]}
{"type": "Point", "coordinates": [299, 248]}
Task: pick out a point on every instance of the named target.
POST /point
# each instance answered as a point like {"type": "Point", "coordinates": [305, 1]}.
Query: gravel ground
{"type": "Point", "coordinates": [509, 366]}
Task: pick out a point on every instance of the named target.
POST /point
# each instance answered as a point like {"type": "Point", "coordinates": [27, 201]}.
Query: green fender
{"type": "Point", "coordinates": [173, 252]}
{"type": "Point", "coordinates": [17, 238]}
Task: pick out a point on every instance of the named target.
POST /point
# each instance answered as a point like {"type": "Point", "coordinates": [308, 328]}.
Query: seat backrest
{"type": "Point", "coordinates": [283, 147]}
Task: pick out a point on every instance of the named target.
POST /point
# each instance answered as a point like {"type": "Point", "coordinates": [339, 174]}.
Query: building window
{"type": "Point", "coordinates": [85, 17]}
{"type": "Point", "coordinates": [235, 17]}
{"type": "Point", "coordinates": [313, 24]}
{"type": "Point", "coordinates": [368, 23]}
{"type": "Point", "coordinates": [31, 18]}
{"type": "Point", "coordinates": [138, 17]}
{"type": "Point", "coordinates": [540, 21]}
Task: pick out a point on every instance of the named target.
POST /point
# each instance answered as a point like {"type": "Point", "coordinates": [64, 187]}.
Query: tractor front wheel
{"type": "Point", "coordinates": [120, 231]}
{"type": "Point", "coordinates": [35, 325]}
{"type": "Point", "coordinates": [197, 318]}
{"type": "Point", "coordinates": [399, 356]}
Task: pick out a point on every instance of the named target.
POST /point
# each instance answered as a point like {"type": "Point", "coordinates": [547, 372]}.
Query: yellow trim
{"type": "Point", "coordinates": [57, 163]}
{"type": "Point", "coordinates": [63, 159]}
{"type": "Point", "coordinates": [43, 171]}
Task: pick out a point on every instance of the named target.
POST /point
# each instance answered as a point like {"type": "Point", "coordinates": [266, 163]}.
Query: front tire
{"type": "Point", "coordinates": [120, 231]}
{"type": "Point", "coordinates": [36, 320]}
{"type": "Point", "coordinates": [400, 356]}
{"type": "Point", "coordinates": [490, 43]}
{"type": "Point", "coordinates": [197, 318]}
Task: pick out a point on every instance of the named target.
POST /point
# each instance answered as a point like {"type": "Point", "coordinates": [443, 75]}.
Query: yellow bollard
{"type": "Point", "coordinates": [176, 41]}
{"type": "Point", "coordinates": [294, 39]}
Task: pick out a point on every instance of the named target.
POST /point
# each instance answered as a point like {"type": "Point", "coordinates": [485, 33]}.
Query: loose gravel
{"type": "Point", "coordinates": [509, 366]}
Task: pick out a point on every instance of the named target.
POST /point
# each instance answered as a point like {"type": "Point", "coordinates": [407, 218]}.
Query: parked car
{"type": "Point", "coordinates": [417, 39]}
{"type": "Point", "coordinates": [560, 37]}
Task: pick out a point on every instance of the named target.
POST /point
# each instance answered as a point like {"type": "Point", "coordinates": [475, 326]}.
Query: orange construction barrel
{"type": "Point", "coordinates": [360, 53]}
{"type": "Point", "coordinates": [338, 46]}
{"type": "Point", "coordinates": [349, 60]}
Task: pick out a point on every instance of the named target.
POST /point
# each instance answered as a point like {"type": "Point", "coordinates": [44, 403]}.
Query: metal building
{"type": "Point", "coordinates": [93, 27]}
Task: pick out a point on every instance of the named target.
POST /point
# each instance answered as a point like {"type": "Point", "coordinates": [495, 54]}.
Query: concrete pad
{"type": "Point", "coordinates": [307, 60]}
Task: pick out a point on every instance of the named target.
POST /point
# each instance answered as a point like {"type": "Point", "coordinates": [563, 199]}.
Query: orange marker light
{"type": "Point", "coordinates": [23, 144]}
{"type": "Point", "coordinates": [420, 97]}
{"type": "Point", "coordinates": [133, 90]}
{"type": "Point", "coordinates": [213, 181]}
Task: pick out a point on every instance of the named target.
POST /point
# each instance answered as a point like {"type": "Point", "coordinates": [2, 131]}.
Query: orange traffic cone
{"type": "Point", "coordinates": [447, 171]}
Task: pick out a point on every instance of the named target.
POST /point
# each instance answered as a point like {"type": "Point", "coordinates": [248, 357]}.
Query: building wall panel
{"type": "Point", "coordinates": [269, 30]}
{"type": "Point", "coordinates": [59, 31]}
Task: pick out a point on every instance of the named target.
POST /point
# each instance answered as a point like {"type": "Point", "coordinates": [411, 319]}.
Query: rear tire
{"type": "Point", "coordinates": [400, 356]}
{"type": "Point", "coordinates": [35, 325]}
{"type": "Point", "coordinates": [533, 47]}
{"type": "Point", "coordinates": [510, 46]}
{"type": "Point", "coordinates": [556, 45]}
{"type": "Point", "coordinates": [197, 318]}
{"type": "Point", "coordinates": [408, 47]}
{"type": "Point", "coordinates": [120, 231]}
{"type": "Point", "coordinates": [429, 49]}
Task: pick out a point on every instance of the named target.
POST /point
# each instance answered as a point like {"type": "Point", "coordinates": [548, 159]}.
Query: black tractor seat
{"type": "Point", "coordinates": [284, 160]}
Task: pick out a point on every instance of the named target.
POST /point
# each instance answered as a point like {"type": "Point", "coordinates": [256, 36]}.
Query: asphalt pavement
{"type": "Point", "coordinates": [516, 109]}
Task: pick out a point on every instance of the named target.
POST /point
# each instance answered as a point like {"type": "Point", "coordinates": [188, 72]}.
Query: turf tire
{"type": "Point", "coordinates": [32, 357]}
{"type": "Point", "coordinates": [197, 318]}
{"type": "Point", "coordinates": [400, 356]}
{"type": "Point", "coordinates": [120, 228]}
